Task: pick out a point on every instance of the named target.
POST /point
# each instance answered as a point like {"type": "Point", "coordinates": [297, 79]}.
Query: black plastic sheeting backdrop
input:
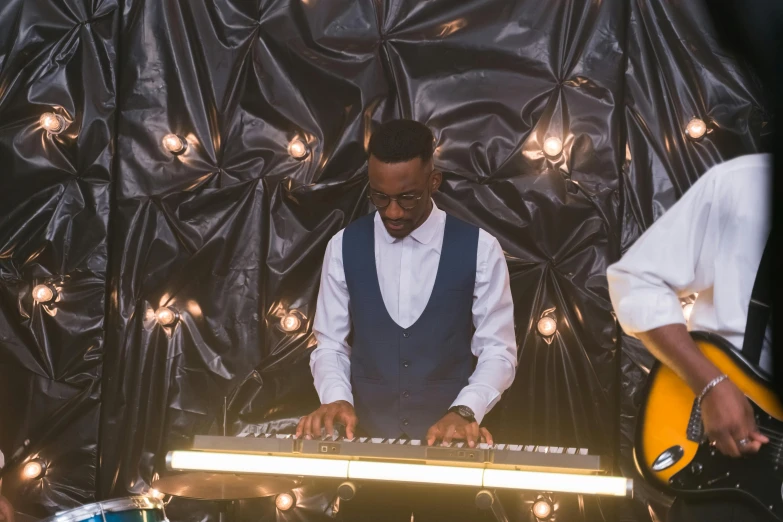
{"type": "Point", "coordinates": [232, 233]}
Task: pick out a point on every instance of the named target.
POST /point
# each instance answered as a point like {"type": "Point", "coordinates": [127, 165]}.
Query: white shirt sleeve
{"type": "Point", "coordinates": [330, 362]}
{"type": "Point", "coordinates": [494, 341]}
{"type": "Point", "coordinates": [672, 259]}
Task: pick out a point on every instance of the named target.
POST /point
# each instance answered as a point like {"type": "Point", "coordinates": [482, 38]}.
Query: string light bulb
{"type": "Point", "coordinates": [44, 293]}
{"type": "Point", "coordinates": [53, 123]}
{"type": "Point", "coordinates": [696, 128]}
{"type": "Point", "coordinates": [284, 501]}
{"type": "Point", "coordinates": [547, 326]}
{"type": "Point", "coordinates": [687, 308]}
{"type": "Point", "coordinates": [154, 493]}
{"type": "Point", "coordinates": [291, 321]}
{"type": "Point", "coordinates": [542, 509]}
{"type": "Point", "coordinates": [553, 147]}
{"type": "Point", "coordinates": [175, 144]}
{"type": "Point", "coordinates": [166, 316]}
{"type": "Point", "coordinates": [298, 149]}
{"type": "Point", "coordinates": [34, 469]}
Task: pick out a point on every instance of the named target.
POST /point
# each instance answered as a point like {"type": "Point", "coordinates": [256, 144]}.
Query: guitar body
{"type": "Point", "coordinates": [672, 452]}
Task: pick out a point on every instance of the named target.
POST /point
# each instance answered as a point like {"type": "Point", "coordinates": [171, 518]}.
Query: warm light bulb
{"type": "Point", "coordinates": [696, 128]}
{"type": "Point", "coordinates": [165, 316]}
{"type": "Point", "coordinates": [291, 321]}
{"type": "Point", "coordinates": [547, 326]}
{"type": "Point", "coordinates": [297, 149]}
{"type": "Point", "coordinates": [174, 144]}
{"type": "Point", "coordinates": [154, 493]}
{"type": "Point", "coordinates": [542, 509]}
{"type": "Point", "coordinates": [284, 501]}
{"type": "Point", "coordinates": [52, 122]}
{"type": "Point", "coordinates": [44, 293]}
{"type": "Point", "coordinates": [687, 308]}
{"type": "Point", "coordinates": [553, 147]}
{"type": "Point", "coordinates": [34, 469]}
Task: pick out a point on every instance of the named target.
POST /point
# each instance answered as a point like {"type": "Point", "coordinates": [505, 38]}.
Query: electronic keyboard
{"type": "Point", "coordinates": [514, 466]}
{"type": "Point", "coordinates": [542, 458]}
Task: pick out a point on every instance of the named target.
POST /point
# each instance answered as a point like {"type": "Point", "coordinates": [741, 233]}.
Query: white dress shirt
{"type": "Point", "coordinates": [710, 242]}
{"type": "Point", "coordinates": [406, 272]}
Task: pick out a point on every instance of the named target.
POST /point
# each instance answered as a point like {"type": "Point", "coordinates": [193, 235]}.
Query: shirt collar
{"type": "Point", "coordinates": [423, 234]}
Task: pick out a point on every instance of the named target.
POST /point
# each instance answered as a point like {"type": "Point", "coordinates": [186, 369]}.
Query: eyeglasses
{"type": "Point", "coordinates": [405, 201]}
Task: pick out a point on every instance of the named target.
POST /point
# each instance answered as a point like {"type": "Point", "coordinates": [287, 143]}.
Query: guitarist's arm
{"type": "Point", "coordinates": [726, 412]}
{"type": "Point", "coordinates": [675, 257]}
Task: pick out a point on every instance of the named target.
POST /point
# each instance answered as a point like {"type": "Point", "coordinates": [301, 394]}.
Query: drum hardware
{"type": "Point", "coordinates": [224, 488]}
{"type": "Point", "coordinates": [128, 509]}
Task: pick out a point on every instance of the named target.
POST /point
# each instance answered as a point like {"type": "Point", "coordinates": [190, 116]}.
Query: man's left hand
{"type": "Point", "coordinates": [453, 427]}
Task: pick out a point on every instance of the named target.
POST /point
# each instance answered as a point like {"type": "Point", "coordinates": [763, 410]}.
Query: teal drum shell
{"type": "Point", "coordinates": [129, 509]}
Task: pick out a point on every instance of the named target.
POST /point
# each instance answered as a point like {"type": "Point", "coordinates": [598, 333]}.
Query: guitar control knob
{"type": "Point", "coordinates": [696, 468]}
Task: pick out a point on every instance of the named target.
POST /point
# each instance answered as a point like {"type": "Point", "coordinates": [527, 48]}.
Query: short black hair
{"type": "Point", "coordinates": [397, 141]}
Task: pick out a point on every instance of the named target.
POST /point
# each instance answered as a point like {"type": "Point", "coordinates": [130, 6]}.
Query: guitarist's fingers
{"type": "Point", "coordinates": [758, 437]}
{"type": "Point", "coordinates": [726, 444]}
{"type": "Point", "coordinates": [753, 446]}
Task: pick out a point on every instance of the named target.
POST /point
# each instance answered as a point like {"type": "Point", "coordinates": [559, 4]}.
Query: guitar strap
{"type": "Point", "coordinates": [759, 309]}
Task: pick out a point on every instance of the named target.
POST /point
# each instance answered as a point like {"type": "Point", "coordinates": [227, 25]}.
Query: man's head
{"type": "Point", "coordinates": [402, 175]}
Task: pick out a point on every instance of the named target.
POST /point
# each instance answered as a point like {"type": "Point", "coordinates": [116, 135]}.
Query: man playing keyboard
{"type": "Point", "coordinates": [414, 323]}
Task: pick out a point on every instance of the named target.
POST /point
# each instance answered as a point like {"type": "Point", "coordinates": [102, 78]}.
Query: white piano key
{"type": "Point", "coordinates": [515, 447]}
{"type": "Point", "coordinates": [571, 451]}
{"type": "Point", "coordinates": [376, 440]}
{"type": "Point", "coordinates": [415, 442]}
{"type": "Point", "coordinates": [583, 451]}
{"type": "Point", "coordinates": [484, 446]}
{"type": "Point", "coordinates": [402, 442]}
{"type": "Point", "coordinates": [500, 447]}
{"type": "Point", "coordinates": [543, 449]}
{"type": "Point", "coordinates": [391, 441]}
{"type": "Point", "coordinates": [530, 449]}
{"type": "Point", "coordinates": [461, 444]}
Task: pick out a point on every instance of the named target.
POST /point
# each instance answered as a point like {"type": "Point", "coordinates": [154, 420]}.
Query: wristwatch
{"type": "Point", "coordinates": [464, 412]}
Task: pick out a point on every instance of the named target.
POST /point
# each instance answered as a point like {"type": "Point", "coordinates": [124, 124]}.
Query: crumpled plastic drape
{"type": "Point", "coordinates": [231, 233]}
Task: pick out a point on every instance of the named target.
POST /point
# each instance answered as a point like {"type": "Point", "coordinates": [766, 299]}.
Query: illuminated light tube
{"type": "Point", "coordinates": [400, 472]}
{"type": "Point", "coordinates": [267, 464]}
{"type": "Point", "coordinates": [558, 482]}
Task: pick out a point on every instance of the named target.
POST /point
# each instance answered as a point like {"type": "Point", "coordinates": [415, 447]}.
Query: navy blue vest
{"type": "Point", "coordinates": [404, 380]}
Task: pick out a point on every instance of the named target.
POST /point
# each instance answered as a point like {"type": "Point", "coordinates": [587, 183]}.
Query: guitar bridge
{"type": "Point", "coordinates": [695, 431]}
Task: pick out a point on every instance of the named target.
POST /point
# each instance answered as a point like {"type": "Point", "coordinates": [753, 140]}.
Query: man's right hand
{"type": "Point", "coordinates": [728, 418]}
{"type": "Point", "coordinates": [339, 411]}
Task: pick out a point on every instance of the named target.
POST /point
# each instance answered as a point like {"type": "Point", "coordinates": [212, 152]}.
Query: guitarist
{"type": "Point", "coordinates": [711, 243]}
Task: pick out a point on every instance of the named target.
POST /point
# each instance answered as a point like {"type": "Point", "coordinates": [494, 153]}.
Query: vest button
{"type": "Point", "coordinates": [406, 334]}
{"type": "Point", "coordinates": [404, 422]}
{"type": "Point", "coordinates": [406, 363]}
{"type": "Point", "coordinates": [406, 394]}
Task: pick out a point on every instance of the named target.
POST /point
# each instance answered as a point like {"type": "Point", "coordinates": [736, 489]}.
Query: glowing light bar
{"type": "Point", "coordinates": [244, 463]}
{"type": "Point", "coordinates": [401, 472]}
{"type": "Point", "coordinates": [398, 472]}
{"type": "Point", "coordinates": [558, 482]}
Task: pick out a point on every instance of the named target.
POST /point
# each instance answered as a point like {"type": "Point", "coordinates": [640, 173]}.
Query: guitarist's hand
{"type": "Point", "coordinates": [728, 418]}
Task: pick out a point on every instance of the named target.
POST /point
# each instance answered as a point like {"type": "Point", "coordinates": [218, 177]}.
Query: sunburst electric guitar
{"type": "Point", "coordinates": [671, 449]}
